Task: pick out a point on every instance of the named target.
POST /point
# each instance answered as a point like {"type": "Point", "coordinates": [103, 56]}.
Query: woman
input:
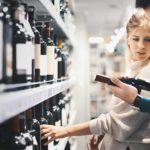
{"type": "Point", "coordinates": [124, 127]}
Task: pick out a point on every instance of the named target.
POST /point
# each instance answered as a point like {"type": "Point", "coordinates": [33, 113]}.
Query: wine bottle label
{"type": "Point", "coordinates": [37, 56]}
{"type": "Point", "coordinates": [29, 147]}
{"type": "Point", "coordinates": [59, 59]}
{"type": "Point", "coordinates": [64, 117]}
{"type": "Point", "coordinates": [21, 56]}
{"type": "Point", "coordinates": [29, 55]}
{"type": "Point", "coordinates": [51, 146]}
{"type": "Point", "coordinates": [32, 50]}
{"type": "Point", "coordinates": [55, 69]}
{"type": "Point", "coordinates": [1, 49]}
{"type": "Point", "coordinates": [57, 123]}
{"type": "Point", "coordinates": [9, 61]}
{"type": "Point", "coordinates": [43, 65]}
{"type": "Point", "coordinates": [27, 27]}
{"type": "Point", "coordinates": [34, 140]}
{"type": "Point", "coordinates": [50, 60]}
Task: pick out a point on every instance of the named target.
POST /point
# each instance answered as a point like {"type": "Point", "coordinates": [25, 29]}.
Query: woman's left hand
{"type": "Point", "coordinates": [94, 142]}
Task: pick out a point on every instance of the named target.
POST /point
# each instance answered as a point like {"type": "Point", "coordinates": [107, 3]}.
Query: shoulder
{"type": "Point", "coordinates": [145, 72]}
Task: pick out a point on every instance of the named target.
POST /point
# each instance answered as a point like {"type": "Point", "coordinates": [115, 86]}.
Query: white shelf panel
{"type": "Point", "coordinates": [46, 10]}
{"type": "Point", "coordinates": [13, 103]}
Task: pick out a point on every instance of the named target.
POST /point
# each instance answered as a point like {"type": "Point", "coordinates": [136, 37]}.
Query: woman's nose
{"type": "Point", "coordinates": [141, 44]}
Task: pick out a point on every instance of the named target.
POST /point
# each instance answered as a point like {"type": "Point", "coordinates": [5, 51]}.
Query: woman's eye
{"type": "Point", "coordinates": [135, 39]}
{"type": "Point", "coordinates": [147, 39]}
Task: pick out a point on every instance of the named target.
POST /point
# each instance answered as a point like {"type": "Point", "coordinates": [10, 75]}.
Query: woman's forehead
{"type": "Point", "coordinates": [141, 31]}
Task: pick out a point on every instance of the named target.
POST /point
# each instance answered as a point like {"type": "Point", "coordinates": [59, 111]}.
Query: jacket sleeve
{"type": "Point", "coordinates": [121, 123]}
{"type": "Point", "coordinates": [142, 103]}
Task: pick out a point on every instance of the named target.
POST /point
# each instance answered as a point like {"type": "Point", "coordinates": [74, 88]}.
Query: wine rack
{"type": "Point", "coordinates": [13, 103]}
{"type": "Point", "coordinates": [45, 10]}
{"type": "Point", "coordinates": [18, 98]}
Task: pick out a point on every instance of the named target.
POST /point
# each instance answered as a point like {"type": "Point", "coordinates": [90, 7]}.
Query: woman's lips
{"type": "Point", "coordinates": [141, 53]}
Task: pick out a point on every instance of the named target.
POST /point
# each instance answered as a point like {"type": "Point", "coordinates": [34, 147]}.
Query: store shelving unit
{"type": "Point", "coordinates": [13, 103]}
{"type": "Point", "coordinates": [45, 10]}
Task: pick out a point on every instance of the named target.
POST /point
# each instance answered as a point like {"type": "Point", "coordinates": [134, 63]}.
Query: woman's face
{"type": "Point", "coordinates": [139, 44]}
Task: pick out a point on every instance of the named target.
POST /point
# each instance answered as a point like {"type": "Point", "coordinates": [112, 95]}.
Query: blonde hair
{"type": "Point", "coordinates": [139, 19]}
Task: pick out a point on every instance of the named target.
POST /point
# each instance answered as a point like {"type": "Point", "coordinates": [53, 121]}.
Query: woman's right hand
{"type": "Point", "coordinates": [124, 91]}
{"type": "Point", "coordinates": [52, 132]}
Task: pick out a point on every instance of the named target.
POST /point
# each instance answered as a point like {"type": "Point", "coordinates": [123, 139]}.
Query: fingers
{"type": "Point", "coordinates": [43, 131]}
{"type": "Point", "coordinates": [47, 133]}
{"type": "Point", "coordinates": [92, 140]}
{"type": "Point", "coordinates": [117, 82]}
{"type": "Point", "coordinates": [100, 138]}
{"type": "Point", "coordinates": [44, 136]}
{"type": "Point", "coordinates": [43, 126]}
{"type": "Point", "coordinates": [93, 143]}
{"type": "Point", "coordinates": [49, 140]}
{"type": "Point", "coordinates": [46, 128]}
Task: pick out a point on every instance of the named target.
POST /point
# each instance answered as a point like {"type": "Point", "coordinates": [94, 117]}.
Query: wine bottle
{"type": "Point", "coordinates": [16, 139]}
{"type": "Point", "coordinates": [61, 104]}
{"type": "Point", "coordinates": [36, 126]}
{"type": "Point", "coordinates": [56, 58]}
{"type": "Point", "coordinates": [56, 114]}
{"type": "Point", "coordinates": [19, 44]}
{"type": "Point", "coordinates": [47, 113]}
{"type": "Point", "coordinates": [43, 64]}
{"type": "Point", "coordinates": [50, 51]}
{"type": "Point", "coordinates": [68, 146]}
{"type": "Point", "coordinates": [52, 1]}
{"type": "Point", "coordinates": [26, 134]}
{"type": "Point", "coordinates": [7, 45]}
{"type": "Point", "coordinates": [49, 117]}
{"type": "Point", "coordinates": [59, 59]}
{"type": "Point", "coordinates": [37, 42]}
{"type": "Point", "coordinates": [64, 57]}
{"type": "Point", "coordinates": [56, 111]}
{"type": "Point", "coordinates": [8, 137]}
{"type": "Point", "coordinates": [1, 42]}
{"type": "Point", "coordinates": [29, 52]}
{"type": "Point", "coordinates": [62, 9]}
{"type": "Point", "coordinates": [32, 128]}
{"type": "Point", "coordinates": [137, 83]}
{"type": "Point", "coordinates": [39, 113]}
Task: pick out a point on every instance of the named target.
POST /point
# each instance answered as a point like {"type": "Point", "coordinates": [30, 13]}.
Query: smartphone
{"type": "Point", "coordinates": [104, 79]}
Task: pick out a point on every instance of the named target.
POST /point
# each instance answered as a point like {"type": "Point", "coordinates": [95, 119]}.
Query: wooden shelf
{"type": "Point", "coordinates": [13, 103]}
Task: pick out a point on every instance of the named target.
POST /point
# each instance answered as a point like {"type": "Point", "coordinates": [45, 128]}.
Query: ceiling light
{"type": "Point", "coordinates": [96, 40]}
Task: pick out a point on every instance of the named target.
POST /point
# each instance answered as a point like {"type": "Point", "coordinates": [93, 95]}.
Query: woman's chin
{"type": "Point", "coordinates": [141, 59]}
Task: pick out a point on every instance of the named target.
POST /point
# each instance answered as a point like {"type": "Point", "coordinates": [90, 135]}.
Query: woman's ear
{"type": "Point", "coordinates": [127, 40]}
{"type": "Point", "coordinates": [128, 43]}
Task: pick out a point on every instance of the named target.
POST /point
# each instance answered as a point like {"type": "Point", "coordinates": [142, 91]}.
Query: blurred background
{"type": "Point", "coordinates": [100, 49]}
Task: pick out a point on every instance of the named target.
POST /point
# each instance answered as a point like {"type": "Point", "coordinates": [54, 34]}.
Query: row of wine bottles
{"type": "Point", "coordinates": [30, 51]}
{"type": "Point", "coordinates": [22, 132]}
{"type": "Point", "coordinates": [62, 7]}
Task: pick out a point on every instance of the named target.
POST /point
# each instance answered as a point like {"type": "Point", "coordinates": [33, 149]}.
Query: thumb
{"type": "Point", "coordinates": [117, 82]}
